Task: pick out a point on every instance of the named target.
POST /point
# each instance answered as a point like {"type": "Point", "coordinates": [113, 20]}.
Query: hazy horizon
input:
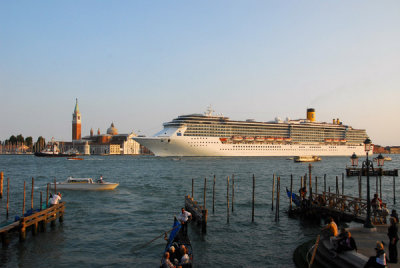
{"type": "Point", "coordinates": [140, 64]}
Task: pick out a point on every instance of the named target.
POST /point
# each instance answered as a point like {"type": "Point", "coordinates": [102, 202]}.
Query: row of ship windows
{"type": "Point", "coordinates": [273, 149]}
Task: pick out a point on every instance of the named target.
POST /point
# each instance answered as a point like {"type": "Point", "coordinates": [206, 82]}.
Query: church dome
{"type": "Point", "coordinates": [112, 130]}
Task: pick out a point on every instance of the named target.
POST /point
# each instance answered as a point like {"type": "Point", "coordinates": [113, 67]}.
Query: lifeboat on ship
{"type": "Point", "coordinates": [336, 140]}
{"type": "Point", "coordinates": [279, 139]}
{"type": "Point", "coordinates": [260, 138]}
{"type": "Point", "coordinates": [344, 141]}
{"type": "Point", "coordinates": [270, 139]}
{"type": "Point", "coordinates": [328, 140]}
{"type": "Point", "coordinates": [287, 139]}
{"type": "Point", "coordinates": [249, 138]}
{"type": "Point", "coordinates": [223, 139]}
{"type": "Point", "coordinates": [237, 138]}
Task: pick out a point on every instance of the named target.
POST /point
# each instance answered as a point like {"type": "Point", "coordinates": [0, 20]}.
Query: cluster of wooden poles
{"type": "Point", "coordinates": [230, 203]}
{"type": "Point", "coordinates": [276, 188]}
{"type": "Point", "coordinates": [24, 200]}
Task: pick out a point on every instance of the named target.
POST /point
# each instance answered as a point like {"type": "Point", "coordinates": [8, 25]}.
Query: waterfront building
{"type": "Point", "coordinates": [110, 143]}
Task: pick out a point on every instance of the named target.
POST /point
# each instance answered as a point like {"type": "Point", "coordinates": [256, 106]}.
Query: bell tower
{"type": "Point", "coordinates": [76, 123]}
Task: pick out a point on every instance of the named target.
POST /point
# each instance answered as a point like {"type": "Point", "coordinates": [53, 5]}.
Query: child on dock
{"type": "Point", "coordinates": [379, 260]}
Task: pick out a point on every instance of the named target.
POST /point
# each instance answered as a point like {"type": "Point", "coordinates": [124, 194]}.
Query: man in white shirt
{"type": "Point", "coordinates": [55, 199]}
{"type": "Point", "coordinates": [183, 218]}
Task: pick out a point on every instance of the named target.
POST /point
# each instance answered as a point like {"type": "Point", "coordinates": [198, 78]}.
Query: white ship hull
{"type": "Point", "coordinates": [212, 146]}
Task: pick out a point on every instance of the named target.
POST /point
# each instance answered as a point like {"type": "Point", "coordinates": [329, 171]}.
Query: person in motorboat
{"type": "Point", "coordinates": [101, 179]}
{"type": "Point", "coordinates": [55, 199]}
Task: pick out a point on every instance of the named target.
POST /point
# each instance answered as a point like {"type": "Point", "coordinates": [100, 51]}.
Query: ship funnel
{"type": "Point", "coordinates": [338, 121]}
{"type": "Point", "coordinates": [311, 115]}
{"type": "Point", "coordinates": [334, 121]}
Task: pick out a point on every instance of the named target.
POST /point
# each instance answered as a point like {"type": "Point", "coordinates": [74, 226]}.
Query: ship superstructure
{"type": "Point", "coordinates": [211, 135]}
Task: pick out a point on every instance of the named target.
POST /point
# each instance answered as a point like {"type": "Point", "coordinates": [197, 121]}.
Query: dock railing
{"type": "Point", "coordinates": [350, 205]}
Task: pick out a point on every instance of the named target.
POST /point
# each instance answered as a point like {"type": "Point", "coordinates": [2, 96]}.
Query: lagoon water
{"type": "Point", "coordinates": [107, 229]}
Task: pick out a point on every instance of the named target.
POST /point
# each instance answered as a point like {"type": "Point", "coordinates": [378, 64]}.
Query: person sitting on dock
{"type": "Point", "coordinates": [183, 218]}
{"type": "Point", "coordinates": [376, 203]}
{"type": "Point", "coordinates": [379, 260]}
{"type": "Point", "coordinates": [55, 199]}
{"type": "Point", "coordinates": [166, 263]}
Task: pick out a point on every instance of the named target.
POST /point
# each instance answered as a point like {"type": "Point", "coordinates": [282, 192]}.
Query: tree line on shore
{"type": "Point", "coordinates": [19, 144]}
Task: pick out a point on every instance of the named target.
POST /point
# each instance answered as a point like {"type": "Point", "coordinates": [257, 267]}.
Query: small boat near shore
{"type": "Point", "coordinates": [84, 184]}
{"type": "Point", "coordinates": [52, 150]}
{"type": "Point", "coordinates": [75, 158]}
{"type": "Point", "coordinates": [307, 158]}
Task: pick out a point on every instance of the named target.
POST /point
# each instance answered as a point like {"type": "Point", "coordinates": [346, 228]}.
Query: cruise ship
{"type": "Point", "coordinates": [215, 135]}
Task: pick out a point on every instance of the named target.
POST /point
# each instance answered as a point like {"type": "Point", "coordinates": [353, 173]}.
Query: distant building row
{"type": "Point", "coordinates": [110, 143]}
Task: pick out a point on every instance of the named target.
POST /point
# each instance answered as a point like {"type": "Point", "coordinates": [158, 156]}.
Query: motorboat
{"type": "Point", "coordinates": [52, 150]}
{"type": "Point", "coordinates": [307, 158]}
{"type": "Point", "coordinates": [85, 184]}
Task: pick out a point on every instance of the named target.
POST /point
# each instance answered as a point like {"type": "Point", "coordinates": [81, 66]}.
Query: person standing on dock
{"type": "Point", "coordinates": [393, 238]}
{"type": "Point", "coordinates": [183, 218]}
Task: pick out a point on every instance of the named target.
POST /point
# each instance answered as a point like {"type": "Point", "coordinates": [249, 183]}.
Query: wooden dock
{"type": "Point", "coordinates": [199, 213]}
{"type": "Point", "coordinates": [35, 222]}
{"type": "Point", "coordinates": [341, 207]}
{"type": "Point", "coordinates": [352, 171]}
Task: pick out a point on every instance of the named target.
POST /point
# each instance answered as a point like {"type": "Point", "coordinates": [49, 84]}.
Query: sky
{"type": "Point", "coordinates": [142, 63]}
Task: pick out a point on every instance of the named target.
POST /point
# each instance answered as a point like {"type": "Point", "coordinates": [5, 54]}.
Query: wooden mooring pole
{"type": "Point", "coordinates": [273, 192]}
{"type": "Point", "coordinates": [252, 207]}
{"type": "Point", "coordinates": [41, 200]}
{"type": "Point", "coordinates": [23, 203]}
{"type": "Point", "coordinates": [233, 189]}
{"type": "Point", "coordinates": [310, 180]}
{"type": "Point", "coordinates": [227, 200]}
{"type": "Point", "coordinates": [55, 186]}
{"type": "Point", "coordinates": [342, 183]}
{"type": "Point", "coordinates": [214, 195]}
{"type": "Point", "coordinates": [192, 188]}
{"type": "Point", "coordinates": [380, 187]}
{"type": "Point", "coordinates": [394, 189]}
{"type": "Point", "coordinates": [8, 194]}
{"type": "Point", "coordinates": [33, 181]}
{"type": "Point", "coordinates": [359, 187]}
{"type": "Point", "coordinates": [376, 186]}
{"type": "Point", "coordinates": [291, 191]}
{"type": "Point", "coordinates": [277, 198]}
{"type": "Point", "coordinates": [204, 193]}
{"type": "Point", "coordinates": [47, 195]}
{"type": "Point", "coordinates": [324, 183]}
{"type": "Point", "coordinates": [1, 184]}
{"type": "Point", "coordinates": [337, 185]}
{"type": "Point", "coordinates": [316, 185]}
